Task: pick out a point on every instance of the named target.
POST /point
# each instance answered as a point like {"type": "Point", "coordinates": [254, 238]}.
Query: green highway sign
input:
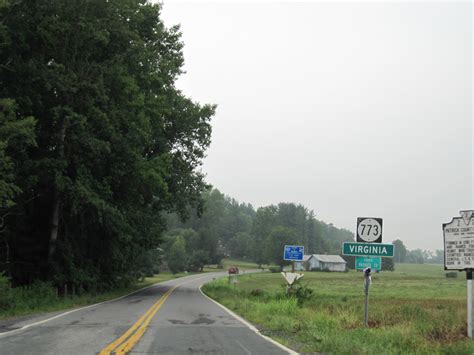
{"type": "Point", "coordinates": [368, 249]}
{"type": "Point", "coordinates": [362, 262]}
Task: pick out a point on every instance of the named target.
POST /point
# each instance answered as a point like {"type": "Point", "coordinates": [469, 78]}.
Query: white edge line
{"type": "Point", "coordinates": [82, 308]}
{"type": "Point", "coordinates": [250, 326]}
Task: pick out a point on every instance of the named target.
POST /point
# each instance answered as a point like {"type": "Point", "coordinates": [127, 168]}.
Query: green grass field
{"type": "Point", "coordinates": [415, 310]}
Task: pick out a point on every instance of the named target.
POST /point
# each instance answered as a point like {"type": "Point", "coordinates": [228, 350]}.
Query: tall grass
{"type": "Point", "coordinates": [415, 310]}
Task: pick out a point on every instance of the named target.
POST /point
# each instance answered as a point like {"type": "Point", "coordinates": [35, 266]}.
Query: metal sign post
{"type": "Point", "coordinates": [469, 302]}
{"type": "Point", "coordinates": [367, 282]}
{"type": "Point", "coordinates": [459, 253]}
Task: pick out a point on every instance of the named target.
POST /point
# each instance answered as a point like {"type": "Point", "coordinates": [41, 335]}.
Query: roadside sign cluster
{"type": "Point", "coordinates": [369, 251]}
{"type": "Point", "coordinates": [369, 248]}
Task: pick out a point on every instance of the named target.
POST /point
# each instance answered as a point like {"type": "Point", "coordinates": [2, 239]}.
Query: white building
{"type": "Point", "coordinates": [300, 265]}
{"type": "Point", "coordinates": [321, 262]}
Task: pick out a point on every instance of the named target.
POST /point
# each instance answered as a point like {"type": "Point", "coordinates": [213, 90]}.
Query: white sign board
{"type": "Point", "coordinates": [459, 243]}
{"type": "Point", "coordinates": [291, 277]}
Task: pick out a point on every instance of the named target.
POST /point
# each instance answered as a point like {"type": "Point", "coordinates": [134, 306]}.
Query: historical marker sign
{"type": "Point", "coordinates": [459, 242]}
{"type": "Point", "coordinates": [375, 263]}
{"type": "Point", "coordinates": [459, 253]}
{"type": "Point", "coordinates": [368, 249]}
{"type": "Point", "coordinates": [369, 230]}
{"type": "Point", "coordinates": [293, 252]}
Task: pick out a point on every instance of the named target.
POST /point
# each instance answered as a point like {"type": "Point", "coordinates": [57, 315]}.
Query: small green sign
{"type": "Point", "coordinates": [368, 249]}
{"type": "Point", "coordinates": [375, 263]}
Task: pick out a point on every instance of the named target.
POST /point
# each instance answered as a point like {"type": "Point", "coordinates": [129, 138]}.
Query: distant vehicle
{"type": "Point", "coordinates": [233, 270]}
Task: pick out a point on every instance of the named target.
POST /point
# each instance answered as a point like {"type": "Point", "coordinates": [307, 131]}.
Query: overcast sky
{"type": "Point", "coordinates": [351, 109]}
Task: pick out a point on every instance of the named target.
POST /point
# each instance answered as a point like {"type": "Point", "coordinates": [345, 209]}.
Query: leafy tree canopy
{"type": "Point", "coordinates": [109, 143]}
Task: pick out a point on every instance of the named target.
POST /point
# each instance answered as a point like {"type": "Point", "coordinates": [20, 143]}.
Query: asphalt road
{"type": "Point", "coordinates": [169, 318]}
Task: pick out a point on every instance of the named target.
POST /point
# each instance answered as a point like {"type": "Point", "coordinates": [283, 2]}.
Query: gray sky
{"type": "Point", "coordinates": [352, 109]}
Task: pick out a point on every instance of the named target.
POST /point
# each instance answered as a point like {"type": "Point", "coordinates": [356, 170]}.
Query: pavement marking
{"type": "Point", "coordinates": [288, 350]}
{"type": "Point", "coordinates": [243, 347]}
{"type": "Point", "coordinates": [128, 339]}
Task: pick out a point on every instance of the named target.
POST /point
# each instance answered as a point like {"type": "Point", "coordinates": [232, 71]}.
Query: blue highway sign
{"type": "Point", "coordinates": [293, 252]}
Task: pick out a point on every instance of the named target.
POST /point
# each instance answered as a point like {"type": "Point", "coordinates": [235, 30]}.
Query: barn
{"type": "Point", "coordinates": [301, 265]}
{"type": "Point", "coordinates": [321, 262]}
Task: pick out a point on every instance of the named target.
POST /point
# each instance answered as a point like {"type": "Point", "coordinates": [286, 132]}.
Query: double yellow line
{"type": "Point", "coordinates": [131, 337]}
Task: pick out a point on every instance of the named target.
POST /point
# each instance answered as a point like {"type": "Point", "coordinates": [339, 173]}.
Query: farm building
{"type": "Point", "coordinates": [300, 265]}
{"type": "Point", "coordinates": [321, 262]}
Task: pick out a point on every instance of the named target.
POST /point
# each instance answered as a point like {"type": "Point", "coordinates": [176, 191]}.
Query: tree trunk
{"type": "Point", "coordinates": [53, 237]}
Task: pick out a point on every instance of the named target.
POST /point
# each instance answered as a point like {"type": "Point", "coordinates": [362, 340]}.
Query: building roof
{"type": "Point", "coordinates": [329, 258]}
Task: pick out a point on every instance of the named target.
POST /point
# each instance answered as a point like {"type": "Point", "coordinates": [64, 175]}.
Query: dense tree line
{"type": "Point", "coordinates": [96, 142]}
{"type": "Point", "coordinates": [416, 256]}
{"type": "Point", "coordinates": [229, 228]}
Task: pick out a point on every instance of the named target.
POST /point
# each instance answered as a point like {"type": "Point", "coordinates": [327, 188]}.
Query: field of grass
{"type": "Point", "coordinates": [415, 309]}
{"type": "Point", "coordinates": [42, 298]}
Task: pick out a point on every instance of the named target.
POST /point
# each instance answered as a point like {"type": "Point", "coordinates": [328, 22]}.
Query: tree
{"type": "Point", "coordinates": [400, 251]}
{"type": "Point", "coordinates": [415, 256]}
{"type": "Point", "coordinates": [241, 245]}
{"type": "Point", "coordinates": [198, 259]}
{"type": "Point", "coordinates": [117, 144]}
{"type": "Point", "coordinates": [16, 135]}
{"type": "Point", "coordinates": [177, 257]}
{"type": "Point", "coordinates": [262, 226]}
{"type": "Point", "coordinates": [388, 264]}
{"type": "Point", "coordinates": [276, 241]}
{"type": "Point", "coordinates": [438, 258]}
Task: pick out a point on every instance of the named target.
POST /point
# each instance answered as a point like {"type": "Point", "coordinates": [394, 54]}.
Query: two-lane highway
{"type": "Point", "coordinates": [172, 317]}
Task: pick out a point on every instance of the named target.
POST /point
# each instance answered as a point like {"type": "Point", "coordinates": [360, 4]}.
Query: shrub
{"type": "Point", "coordinates": [256, 292]}
{"type": "Point", "coordinates": [274, 269]}
{"type": "Point", "coordinates": [299, 291]}
{"type": "Point", "coordinates": [452, 275]}
{"type": "Point", "coordinates": [302, 293]}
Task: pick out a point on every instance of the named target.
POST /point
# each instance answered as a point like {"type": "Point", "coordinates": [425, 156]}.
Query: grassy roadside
{"type": "Point", "coordinates": [415, 309]}
{"type": "Point", "coordinates": [42, 298]}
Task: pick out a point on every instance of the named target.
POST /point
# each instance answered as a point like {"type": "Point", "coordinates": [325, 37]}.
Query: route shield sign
{"type": "Point", "coordinates": [459, 242]}
{"type": "Point", "coordinates": [368, 249]}
{"type": "Point", "coordinates": [375, 263]}
{"type": "Point", "coordinates": [369, 230]}
{"type": "Point", "coordinates": [293, 252]}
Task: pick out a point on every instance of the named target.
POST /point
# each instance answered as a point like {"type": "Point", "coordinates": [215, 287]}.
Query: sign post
{"type": "Point", "coordinates": [367, 282]}
{"type": "Point", "coordinates": [469, 302]}
{"type": "Point", "coordinates": [459, 253]}
{"type": "Point", "coordinates": [293, 253]}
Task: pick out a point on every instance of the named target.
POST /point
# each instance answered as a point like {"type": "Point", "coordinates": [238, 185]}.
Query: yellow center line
{"type": "Point", "coordinates": [133, 340]}
{"type": "Point", "coordinates": [130, 338]}
{"type": "Point", "coordinates": [109, 348]}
